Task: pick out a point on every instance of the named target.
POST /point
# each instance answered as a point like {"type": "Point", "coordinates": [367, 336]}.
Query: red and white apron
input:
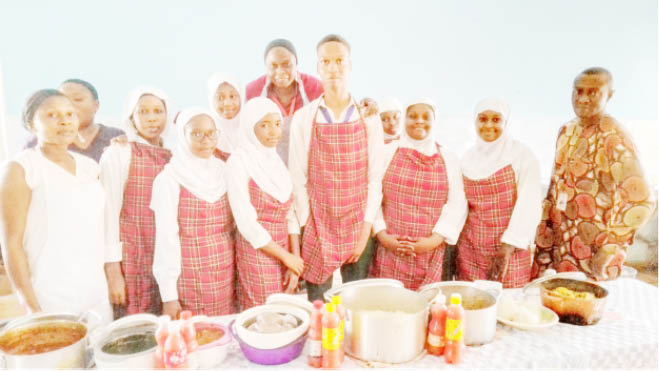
{"type": "Point", "coordinates": [260, 274]}
{"type": "Point", "coordinates": [414, 190]}
{"type": "Point", "coordinates": [338, 188]}
{"type": "Point", "coordinates": [491, 203]}
{"type": "Point", "coordinates": [206, 283]}
{"type": "Point", "coordinates": [137, 229]}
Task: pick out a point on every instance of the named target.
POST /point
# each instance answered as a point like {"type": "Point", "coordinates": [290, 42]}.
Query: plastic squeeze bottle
{"type": "Point", "coordinates": [341, 311]}
{"type": "Point", "coordinates": [189, 337]}
{"type": "Point", "coordinates": [316, 336]}
{"type": "Point", "coordinates": [455, 324]}
{"type": "Point", "coordinates": [175, 352]}
{"type": "Point", "coordinates": [437, 327]}
{"type": "Point", "coordinates": [331, 351]}
{"type": "Point", "coordinates": [162, 332]}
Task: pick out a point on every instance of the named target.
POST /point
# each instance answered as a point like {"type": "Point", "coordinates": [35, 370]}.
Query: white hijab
{"type": "Point", "coordinates": [229, 133]}
{"type": "Point", "coordinates": [129, 107]}
{"type": "Point", "coordinates": [393, 104]}
{"type": "Point", "coordinates": [203, 177]}
{"type": "Point", "coordinates": [427, 146]}
{"type": "Point", "coordinates": [485, 158]}
{"type": "Point", "coordinates": [262, 163]}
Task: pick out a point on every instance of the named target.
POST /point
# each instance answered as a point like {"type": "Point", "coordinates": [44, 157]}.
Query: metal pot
{"type": "Point", "coordinates": [72, 356]}
{"type": "Point", "coordinates": [384, 321]}
{"type": "Point", "coordinates": [479, 299]}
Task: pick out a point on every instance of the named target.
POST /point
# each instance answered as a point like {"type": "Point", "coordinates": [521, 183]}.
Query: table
{"type": "Point", "coordinates": [626, 337]}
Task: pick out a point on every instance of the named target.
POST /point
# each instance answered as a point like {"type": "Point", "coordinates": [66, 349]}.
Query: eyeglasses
{"type": "Point", "coordinates": [199, 136]}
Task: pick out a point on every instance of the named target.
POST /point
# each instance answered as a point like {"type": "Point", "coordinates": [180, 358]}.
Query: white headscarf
{"type": "Point", "coordinates": [485, 158]}
{"type": "Point", "coordinates": [229, 137]}
{"type": "Point", "coordinates": [129, 107]}
{"type": "Point", "coordinates": [262, 163]}
{"type": "Point", "coordinates": [203, 177]}
{"type": "Point", "coordinates": [393, 104]}
{"type": "Point", "coordinates": [427, 146]}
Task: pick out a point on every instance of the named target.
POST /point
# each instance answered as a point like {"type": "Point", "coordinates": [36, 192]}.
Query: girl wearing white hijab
{"type": "Point", "coordinates": [225, 98]}
{"type": "Point", "coordinates": [502, 185]}
{"type": "Point", "coordinates": [423, 203]}
{"type": "Point", "coordinates": [261, 197]}
{"type": "Point", "coordinates": [390, 114]}
{"type": "Point", "coordinates": [127, 174]}
{"type": "Point", "coordinates": [194, 255]}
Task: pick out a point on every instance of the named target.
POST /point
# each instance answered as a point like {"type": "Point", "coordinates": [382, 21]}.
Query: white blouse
{"type": "Point", "coordinates": [298, 156]}
{"type": "Point", "coordinates": [528, 207]}
{"type": "Point", "coordinates": [454, 213]}
{"type": "Point", "coordinates": [244, 212]}
{"type": "Point", "coordinates": [115, 168]}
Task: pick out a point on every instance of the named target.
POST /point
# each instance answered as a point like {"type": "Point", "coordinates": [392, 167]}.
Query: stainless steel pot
{"type": "Point", "coordinates": [72, 356]}
{"type": "Point", "coordinates": [384, 321]}
{"type": "Point", "coordinates": [479, 299]}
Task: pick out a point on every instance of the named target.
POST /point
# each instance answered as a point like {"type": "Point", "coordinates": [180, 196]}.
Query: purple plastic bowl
{"type": "Point", "coordinates": [269, 357]}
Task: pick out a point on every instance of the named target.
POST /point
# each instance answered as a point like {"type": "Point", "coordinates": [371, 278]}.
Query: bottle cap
{"type": "Point", "coordinates": [440, 298]}
{"type": "Point", "coordinates": [318, 304]}
{"type": "Point", "coordinates": [336, 299]}
{"type": "Point", "coordinates": [330, 308]}
{"type": "Point", "coordinates": [456, 298]}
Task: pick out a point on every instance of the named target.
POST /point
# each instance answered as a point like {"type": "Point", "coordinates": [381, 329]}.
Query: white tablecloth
{"type": "Point", "coordinates": [626, 337]}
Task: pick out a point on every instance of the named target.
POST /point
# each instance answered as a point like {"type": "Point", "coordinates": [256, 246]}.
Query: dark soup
{"type": "Point", "coordinates": [131, 344]}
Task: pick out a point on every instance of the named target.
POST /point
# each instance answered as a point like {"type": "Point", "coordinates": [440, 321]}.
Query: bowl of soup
{"type": "Point", "coordinates": [576, 302]}
{"type": "Point", "coordinates": [127, 343]}
{"type": "Point", "coordinates": [45, 340]}
{"type": "Point", "coordinates": [271, 326]}
{"type": "Point", "coordinates": [213, 340]}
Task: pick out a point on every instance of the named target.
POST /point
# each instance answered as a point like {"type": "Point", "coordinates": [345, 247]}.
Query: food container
{"type": "Point", "coordinates": [211, 354]}
{"type": "Point", "coordinates": [134, 331]}
{"type": "Point", "coordinates": [276, 356]}
{"type": "Point", "coordinates": [70, 356]}
{"type": "Point", "coordinates": [574, 310]}
{"type": "Point", "coordinates": [479, 300]}
{"type": "Point", "coordinates": [271, 340]}
{"type": "Point", "coordinates": [384, 321]}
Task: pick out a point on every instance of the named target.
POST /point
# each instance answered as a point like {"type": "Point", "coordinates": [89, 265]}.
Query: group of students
{"type": "Point", "coordinates": [294, 179]}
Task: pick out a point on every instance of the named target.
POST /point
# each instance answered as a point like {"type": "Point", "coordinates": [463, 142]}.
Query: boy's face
{"type": "Point", "coordinates": [281, 67]}
{"type": "Point", "coordinates": [590, 95]}
{"type": "Point", "coordinates": [333, 64]}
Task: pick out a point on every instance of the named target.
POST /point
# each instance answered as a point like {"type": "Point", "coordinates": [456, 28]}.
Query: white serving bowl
{"type": "Point", "coordinates": [129, 325]}
{"type": "Point", "coordinates": [272, 340]}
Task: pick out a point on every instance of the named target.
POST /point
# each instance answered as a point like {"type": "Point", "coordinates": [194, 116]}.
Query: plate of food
{"type": "Point", "coordinates": [525, 314]}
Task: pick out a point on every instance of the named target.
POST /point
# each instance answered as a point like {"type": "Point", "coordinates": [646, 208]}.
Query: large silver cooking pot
{"type": "Point", "coordinates": [384, 321]}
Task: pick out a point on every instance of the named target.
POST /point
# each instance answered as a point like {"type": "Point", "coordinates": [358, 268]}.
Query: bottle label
{"type": "Point", "coordinates": [453, 329]}
{"type": "Point", "coordinates": [315, 348]}
{"type": "Point", "coordinates": [435, 341]}
{"type": "Point", "coordinates": [330, 338]}
{"type": "Point", "coordinates": [342, 326]}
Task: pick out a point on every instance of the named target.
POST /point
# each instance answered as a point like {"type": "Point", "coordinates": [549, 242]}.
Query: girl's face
{"type": "Point", "coordinates": [83, 101]}
{"type": "Point", "coordinates": [55, 121]}
{"type": "Point", "coordinates": [150, 117]}
{"type": "Point", "coordinates": [268, 130]}
{"type": "Point", "coordinates": [418, 121]}
{"type": "Point", "coordinates": [489, 125]}
{"type": "Point", "coordinates": [227, 101]}
{"type": "Point", "coordinates": [201, 136]}
{"type": "Point", "coordinates": [390, 121]}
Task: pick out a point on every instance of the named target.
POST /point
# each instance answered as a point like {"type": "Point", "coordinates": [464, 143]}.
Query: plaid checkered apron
{"type": "Point", "coordinates": [137, 229]}
{"type": "Point", "coordinates": [205, 285]}
{"type": "Point", "coordinates": [260, 274]}
{"type": "Point", "coordinates": [338, 187]}
{"type": "Point", "coordinates": [414, 191]}
{"type": "Point", "coordinates": [491, 202]}
{"type": "Point", "coordinates": [224, 156]}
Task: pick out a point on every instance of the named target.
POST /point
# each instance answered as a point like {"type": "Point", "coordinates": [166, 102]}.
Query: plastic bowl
{"type": "Point", "coordinates": [270, 357]}
{"type": "Point", "coordinates": [212, 354]}
{"type": "Point", "coordinates": [272, 340]}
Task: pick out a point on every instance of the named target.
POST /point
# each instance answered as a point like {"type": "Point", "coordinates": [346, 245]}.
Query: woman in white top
{"type": "Point", "coordinates": [194, 257]}
{"type": "Point", "coordinates": [261, 197]}
{"type": "Point", "coordinates": [225, 96]}
{"type": "Point", "coordinates": [423, 203]}
{"type": "Point", "coordinates": [502, 185]}
{"type": "Point", "coordinates": [52, 206]}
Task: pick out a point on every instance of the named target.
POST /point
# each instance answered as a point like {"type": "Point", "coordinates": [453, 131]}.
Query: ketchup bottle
{"type": "Point", "coordinates": [455, 324]}
{"type": "Point", "coordinates": [341, 311]}
{"type": "Point", "coordinates": [316, 335]}
{"type": "Point", "coordinates": [331, 351]}
{"type": "Point", "coordinates": [190, 337]}
{"type": "Point", "coordinates": [437, 327]}
{"type": "Point", "coordinates": [175, 352]}
{"type": "Point", "coordinates": [162, 332]}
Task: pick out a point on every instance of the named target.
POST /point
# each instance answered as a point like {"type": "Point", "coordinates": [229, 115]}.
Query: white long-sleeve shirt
{"type": "Point", "coordinates": [115, 168]}
{"type": "Point", "coordinates": [244, 212]}
{"type": "Point", "coordinates": [454, 213]}
{"type": "Point", "coordinates": [298, 156]}
{"type": "Point", "coordinates": [528, 207]}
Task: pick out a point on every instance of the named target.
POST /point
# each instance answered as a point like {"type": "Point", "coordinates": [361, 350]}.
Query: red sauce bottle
{"type": "Point", "coordinates": [331, 342]}
{"type": "Point", "coordinates": [316, 335]}
{"type": "Point", "coordinates": [454, 330]}
{"type": "Point", "coordinates": [437, 327]}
